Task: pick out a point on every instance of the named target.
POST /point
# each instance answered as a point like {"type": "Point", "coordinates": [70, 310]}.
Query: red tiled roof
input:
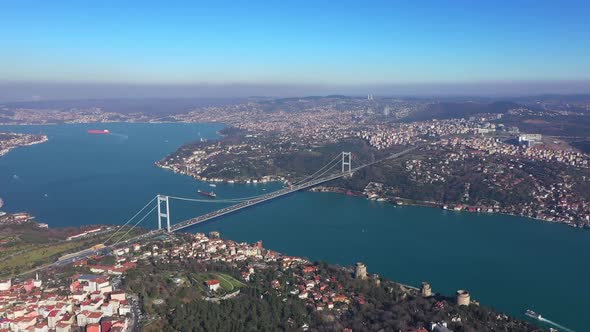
{"type": "Point", "coordinates": [95, 315]}
{"type": "Point", "coordinates": [54, 313]}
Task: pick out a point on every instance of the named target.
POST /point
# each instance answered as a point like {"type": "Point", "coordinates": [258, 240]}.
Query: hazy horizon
{"type": "Point", "coordinates": [58, 49]}
{"type": "Point", "coordinates": [40, 91]}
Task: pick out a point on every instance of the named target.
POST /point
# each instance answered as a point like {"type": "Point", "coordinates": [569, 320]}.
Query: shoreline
{"type": "Point", "coordinates": [429, 204]}
{"type": "Point", "coordinates": [43, 139]}
{"type": "Point", "coordinates": [396, 201]}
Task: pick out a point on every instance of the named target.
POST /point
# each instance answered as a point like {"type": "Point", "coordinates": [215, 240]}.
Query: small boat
{"type": "Point", "coordinates": [207, 193]}
{"type": "Point", "coordinates": [533, 314]}
{"type": "Point", "coordinates": [212, 185]}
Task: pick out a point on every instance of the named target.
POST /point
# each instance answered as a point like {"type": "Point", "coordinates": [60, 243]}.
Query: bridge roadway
{"type": "Point", "coordinates": [187, 223]}
{"type": "Point", "coordinates": [275, 194]}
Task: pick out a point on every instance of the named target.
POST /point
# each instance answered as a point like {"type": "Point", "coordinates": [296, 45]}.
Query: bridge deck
{"type": "Point", "coordinates": [273, 195]}
{"type": "Point", "coordinates": [249, 203]}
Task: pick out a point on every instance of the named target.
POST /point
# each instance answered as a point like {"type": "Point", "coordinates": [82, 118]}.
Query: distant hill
{"type": "Point", "coordinates": [128, 105]}
{"type": "Point", "coordinates": [451, 110]}
{"type": "Point", "coordinates": [554, 97]}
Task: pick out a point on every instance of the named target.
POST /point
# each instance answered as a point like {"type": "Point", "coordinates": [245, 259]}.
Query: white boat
{"type": "Point", "coordinates": [533, 314]}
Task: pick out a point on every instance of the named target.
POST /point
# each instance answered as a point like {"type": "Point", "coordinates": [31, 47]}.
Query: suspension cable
{"type": "Point", "coordinates": [320, 175]}
{"type": "Point", "coordinates": [242, 199]}
{"type": "Point", "coordinates": [228, 200]}
{"type": "Point", "coordinates": [137, 223]}
{"type": "Point", "coordinates": [128, 221]}
{"type": "Point", "coordinates": [319, 170]}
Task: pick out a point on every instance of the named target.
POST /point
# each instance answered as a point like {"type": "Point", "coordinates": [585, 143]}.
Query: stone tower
{"type": "Point", "coordinates": [360, 271]}
{"type": "Point", "coordinates": [463, 297]}
{"type": "Point", "coordinates": [426, 290]}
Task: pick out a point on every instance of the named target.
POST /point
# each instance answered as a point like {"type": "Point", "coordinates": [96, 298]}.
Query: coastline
{"type": "Point", "coordinates": [43, 139]}
{"type": "Point", "coordinates": [397, 201]}
{"type": "Point", "coordinates": [3, 152]}
{"type": "Point", "coordinates": [400, 201]}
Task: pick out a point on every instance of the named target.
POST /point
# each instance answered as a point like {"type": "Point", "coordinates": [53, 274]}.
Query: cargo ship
{"type": "Point", "coordinates": [207, 193]}
{"type": "Point", "coordinates": [533, 314]}
{"type": "Point", "coordinates": [99, 131]}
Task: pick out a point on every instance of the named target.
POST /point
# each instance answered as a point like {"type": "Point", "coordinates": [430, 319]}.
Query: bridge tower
{"type": "Point", "coordinates": [346, 162]}
{"type": "Point", "coordinates": [163, 199]}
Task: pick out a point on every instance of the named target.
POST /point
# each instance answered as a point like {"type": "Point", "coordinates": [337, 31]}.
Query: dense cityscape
{"type": "Point", "coordinates": [404, 166]}
{"type": "Point", "coordinates": [496, 153]}
{"type": "Point", "coordinates": [264, 136]}
{"type": "Point", "coordinates": [113, 292]}
{"type": "Point", "coordinates": [465, 157]}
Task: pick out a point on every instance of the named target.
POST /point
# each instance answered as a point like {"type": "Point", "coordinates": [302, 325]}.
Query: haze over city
{"type": "Point", "coordinates": [54, 50]}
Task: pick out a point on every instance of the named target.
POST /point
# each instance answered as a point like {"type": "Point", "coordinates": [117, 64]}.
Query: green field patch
{"type": "Point", "coordinates": [38, 255]}
{"type": "Point", "coordinates": [228, 283]}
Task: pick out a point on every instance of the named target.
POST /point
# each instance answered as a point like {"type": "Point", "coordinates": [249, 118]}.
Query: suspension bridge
{"type": "Point", "coordinates": [325, 174]}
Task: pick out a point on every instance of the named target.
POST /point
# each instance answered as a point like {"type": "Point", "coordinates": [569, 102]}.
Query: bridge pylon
{"type": "Point", "coordinates": [347, 162]}
{"type": "Point", "coordinates": [163, 199]}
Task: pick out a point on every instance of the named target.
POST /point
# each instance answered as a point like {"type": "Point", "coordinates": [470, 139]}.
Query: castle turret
{"type": "Point", "coordinates": [360, 271]}
{"type": "Point", "coordinates": [463, 297]}
{"type": "Point", "coordinates": [426, 290]}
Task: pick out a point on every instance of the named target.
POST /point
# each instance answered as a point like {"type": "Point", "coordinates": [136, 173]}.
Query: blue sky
{"type": "Point", "coordinates": [294, 42]}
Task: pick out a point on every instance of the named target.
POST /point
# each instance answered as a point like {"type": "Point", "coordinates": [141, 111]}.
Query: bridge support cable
{"type": "Point", "coordinates": [319, 170]}
{"type": "Point", "coordinates": [318, 176]}
{"type": "Point", "coordinates": [334, 162]}
{"type": "Point", "coordinates": [285, 191]}
{"type": "Point", "coordinates": [229, 200]}
{"type": "Point", "coordinates": [130, 219]}
{"type": "Point", "coordinates": [393, 156]}
{"type": "Point", "coordinates": [137, 223]}
{"type": "Point", "coordinates": [249, 198]}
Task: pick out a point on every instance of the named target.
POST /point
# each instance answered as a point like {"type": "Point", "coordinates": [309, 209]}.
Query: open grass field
{"type": "Point", "coordinates": [24, 247]}
{"type": "Point", "coordinates": [38, 255]}
{"type": "Point", "coordinates": [228, 283]}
